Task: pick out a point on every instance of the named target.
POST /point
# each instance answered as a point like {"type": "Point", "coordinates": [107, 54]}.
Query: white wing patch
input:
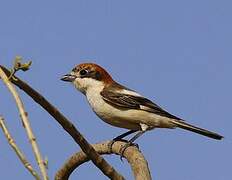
{"type": "Point", "coordinates": [128, 92]}
{"type": "Point", "coordinates": [144, 127]}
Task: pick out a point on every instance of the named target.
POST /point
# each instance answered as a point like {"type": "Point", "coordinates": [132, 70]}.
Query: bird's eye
{"type": "Point", "coordinates": [83, 72]}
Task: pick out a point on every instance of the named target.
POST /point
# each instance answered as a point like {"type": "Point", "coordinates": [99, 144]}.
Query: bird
{"type": "Point", "coordinates": [122, 107]}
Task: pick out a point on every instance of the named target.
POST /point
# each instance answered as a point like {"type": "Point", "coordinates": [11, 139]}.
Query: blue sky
{"type": "Point", "coordinates": [177, 53]}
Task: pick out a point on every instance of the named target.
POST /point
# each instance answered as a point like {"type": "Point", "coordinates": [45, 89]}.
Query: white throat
{"type": "Point", "coordinates": [88, 85]}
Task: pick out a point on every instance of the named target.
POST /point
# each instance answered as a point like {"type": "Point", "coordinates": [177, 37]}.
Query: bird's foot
{"type": "Point", "coordinates": [124, 147]}
{"type": "Point", "coordinates": [111, 143]}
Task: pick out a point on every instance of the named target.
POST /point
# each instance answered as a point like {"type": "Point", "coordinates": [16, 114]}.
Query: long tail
{"type": "Point", "coordinates": [204, 132]}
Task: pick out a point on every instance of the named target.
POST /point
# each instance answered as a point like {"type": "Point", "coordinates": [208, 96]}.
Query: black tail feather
{"type": "Point", "coordinates": [204, 132]}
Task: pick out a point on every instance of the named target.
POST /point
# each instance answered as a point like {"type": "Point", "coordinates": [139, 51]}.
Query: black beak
{"type": "Point", "coordinates": [68, 77]}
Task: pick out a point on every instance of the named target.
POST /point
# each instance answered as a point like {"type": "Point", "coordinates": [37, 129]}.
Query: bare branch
{"type": "Point", "coordinates": [135, 158]}
{"type": "Point", "coordinates": [100, 162]}
{"type": "Point", "coordinates": [26, 123]}
{"type": "Point", "coordinates": [20, 155]}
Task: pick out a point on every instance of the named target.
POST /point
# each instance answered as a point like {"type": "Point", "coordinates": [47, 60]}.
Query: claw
{"type": "Point", "coordinates": [136, 145]}
{"type": "Point", "coordinates": [123, 148]}
{"type": "Point", "coordinates": [111, 143]}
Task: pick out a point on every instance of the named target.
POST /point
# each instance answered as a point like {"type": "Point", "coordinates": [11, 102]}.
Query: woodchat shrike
{"type": "Point", "coordinates": [122, 107]}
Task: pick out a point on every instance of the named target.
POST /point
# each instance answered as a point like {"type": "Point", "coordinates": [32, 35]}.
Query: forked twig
{"type": "Point", "coordinates": [18, 152]}
{"type": "Point", "coordinates": [26, 123]}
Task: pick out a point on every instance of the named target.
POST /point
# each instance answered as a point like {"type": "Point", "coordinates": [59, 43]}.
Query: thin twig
{"type": "Point", "coordinates": [99, 161]}
{"type": "Point", "coordinates": [26, 123]}
{"type": "Point", "coordinates": [135, 158]}
{"type": "Point", "coordinates": [18, 152]}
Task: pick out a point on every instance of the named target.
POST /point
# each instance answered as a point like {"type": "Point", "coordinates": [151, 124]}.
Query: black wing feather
{"type": "Point", "coordinates": [127, 101]}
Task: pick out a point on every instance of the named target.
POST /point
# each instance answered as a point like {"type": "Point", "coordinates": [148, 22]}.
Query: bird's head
{"type": "Point", "coordinates": [88, 75]}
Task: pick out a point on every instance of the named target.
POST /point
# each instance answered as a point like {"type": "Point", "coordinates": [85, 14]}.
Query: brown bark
{"type": "Point", "coordinates": [135, 158]}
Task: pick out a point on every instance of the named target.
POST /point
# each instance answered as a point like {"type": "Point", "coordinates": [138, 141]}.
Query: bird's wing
{"type": "Point", "coordinates": [128, 101]}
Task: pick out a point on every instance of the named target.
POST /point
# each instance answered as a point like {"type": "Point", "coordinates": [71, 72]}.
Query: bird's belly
{"type": "Point", "coordinates": [114, 116]}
